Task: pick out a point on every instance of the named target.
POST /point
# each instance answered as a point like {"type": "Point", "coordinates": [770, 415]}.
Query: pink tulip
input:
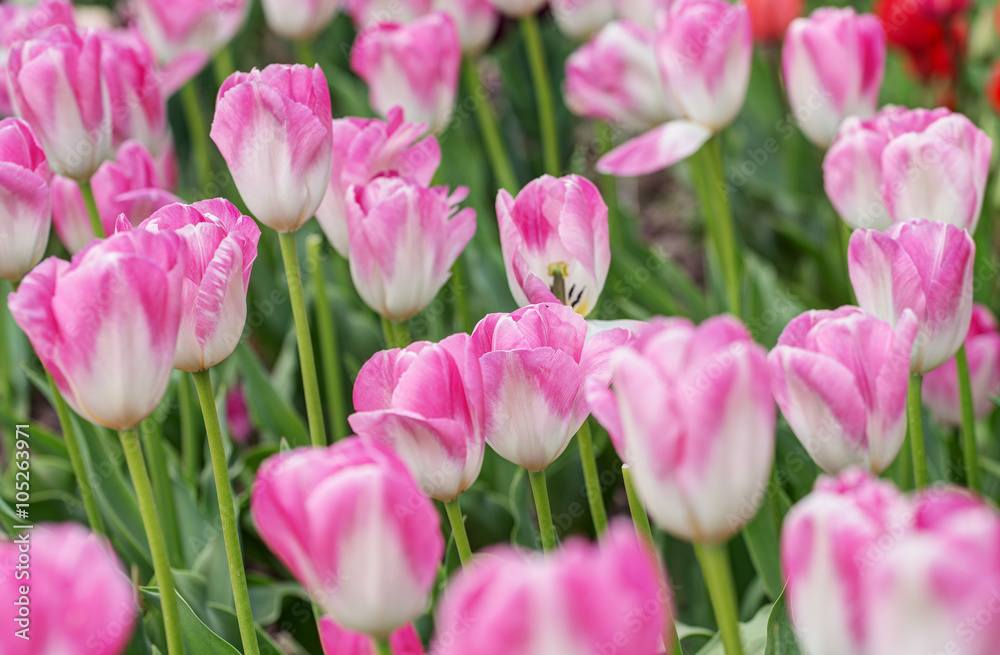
{"type": "Point", "coordinates": [982, 346]}
{"type": "Point", "coordinates": [301, 20]}
{"type": "Point", "coordinates": [129, 185]}
{"type": "Point", "coordinates": [337, 641]}
{"type": "Point", "coordinates": [367, 14]}
{"type": "Point", "coordinates": [26, 211]}
{"type": "Point", "coordinates": [19, 23]}
{"type": "Point", "coordinates": [830, 543]}
{"type": "Point", "coordinates": [580, 19]}
{"type": "Point", "coordinates": [71, 591]}
{"type": "Point", "coordinates": [138, 108]}
{"type": "Point", "coordinates": [425, 402]}
{"type": "Point", "coordinates": [273, 129]}
{"type": "Point", "coordinates": [518, 8]}
{"type": "Point", "coordinates": [57, 86]}
{"type": "Point", "coordinates": [704, 49]}
{"type": "Point", "coordinates": [362, 149]}
{"type": "Point", "coordinates": [833, 64]}
{"type": "Point", "coordinates": [238, 414]}
{"type": "Point", "coordinates": [404, 239]}
{"type": "Point", "coordinates": [615, 78]}
{"type": "Point", "coordinates": [908, 163]}
{"type": "Point", "coordinates": [922, 266]}
{"type": "Point", "coordinates": [535, 362]}
{"type": "Point", "coordinates": [353, 527]}
{"type": "Point", "coordinates": [583, 599]}
{"type": "Point", "coordinates": [690, 410]}
{"type": "Point", "coordinates": [189, 29]}
{"type": "Point", "coordinates": [105, 325]}
{"type": "Point", "coordinates": [414, 66]}
{"type": "Point", "coordinates": [475, 20]}
{"type": "Point", "coordinates": [221, 246]}
{"type": "Point", "coordinates": [840, 378]}
{"type": "Point", "coordinates": [556, 225]}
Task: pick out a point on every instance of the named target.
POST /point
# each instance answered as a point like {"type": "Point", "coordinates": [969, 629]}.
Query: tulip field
{"type": "Point", "coordinates": [499, 327]}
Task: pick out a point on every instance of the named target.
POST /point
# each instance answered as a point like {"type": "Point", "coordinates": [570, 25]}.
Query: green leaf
{"type": "Point", "coordinates": [267, 599]}
{"type": "Point", "coordinates": [762, 537]}
{"type": "Point", "coordinates": [226, 617]}
{"type": "Point", "coordinates": [269, 409]}
{"type": "Point", "coordinates": [198, 638]}
{"type": "Point", "coordinates": [753, 634]}
{"type": "Point", "coordinates": [780, 637]}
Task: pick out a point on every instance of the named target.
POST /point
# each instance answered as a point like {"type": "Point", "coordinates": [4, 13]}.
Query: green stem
{"type": "Point", "coordinates": [154, 535]}
{"type": "Point", "coordinates": [543, 93]}
{"type": "Point", "coordinates": [156, 455]}
{"type": "Point", "coordinates": [503, 171]}
{"type": "Point", "coordinates": [454, 511]}
{"type": "Point", "coordinates": [223, 65]}
{"type": "Point", "coordinates": [969, 449]}
{"type": "Point", "coordinates": [95, 216]}
{"type": "Point", "coordinates": [329, 347]}
{"type": "Point", "coordinates": [592, 479]}
{"type": "Point", "coordinates": [460, 288]}
{"type": "Point", "coordinates": [609, 189]}
{"type": "Point", "coordinates": [307, 360]}
{"type": "Point", "coordinates": [540, 490]}
{"type": "Point", "coordinates": [714, 560]}
{"type": "Point", "coordinates": [190, 443]}
{"type": "Point", "coordinates": [383, 647]}
{"type": "Point", "coordinates": [76, 459]}
{"type": "Point", "coordinates": [304, 53]}
{"type": "Point", "coordinates": [6, 365]}
{"type": "Point", "coordinates": [914, 413]}
{"type": "Point", "coordinates": [197, 132]}
{"type": "Point", "coordinates": [397, 335]}
{"type": "Point", "coordinates": [227, 511]}
{"type": "Point", "coordinates": [641, 522]}
{"type": "Point", "coordinates": [710, 185]}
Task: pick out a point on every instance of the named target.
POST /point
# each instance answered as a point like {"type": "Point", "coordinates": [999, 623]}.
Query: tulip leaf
{"type": "Point", "coordinates": [269, 409]}
{"type": "Point", "coordinates": [780, 637]}
{"type": "Point", "coordinates": [267, 599]}
{"type": "Point", "coordinates": [225, 617]}
{"type": "Point", "coordinates": [198, 637]}
{"type": "Point", "coordinates": [761, 536]}
{"type": "Point", "coordinates": [753, 634]}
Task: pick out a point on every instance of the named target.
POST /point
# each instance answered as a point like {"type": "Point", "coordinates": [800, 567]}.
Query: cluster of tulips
{"type": "Point", "coordinates": [156, 284]}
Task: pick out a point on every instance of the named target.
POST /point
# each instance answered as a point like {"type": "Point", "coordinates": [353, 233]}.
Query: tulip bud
{"type": "Point", "coordinates": [404, 239]}
{"type": "Point", "coordinates": [105, 325]}
{"type": "Point", "coordinates": [301, 20]}
{"type": "Point", "coordinates": [923, 266]}
{"type": "Point", "coordinates": [475, 20]}
{"type": "Point", "coordinates": [534, 363]}
{"type": "Point", "coordinates": [908, 163]}
{"type": "Point", "coordinates": [362, 149]}
{"type": "Point", "coordinates": [840, 378]}
{"type": "Point", "coordinates": [20, 23]}
{"type": "Point", "coordinates": [583, 599]}
{"type": "Point", "coordinates": [26, 211]}
{"type": "Point", "coordinates": [337, 641]}
{"type": "Point", "coordinates": [771, 17]}
{"type": "Point", "coordinates": [73, 597]}
{"type": "Point", "coordinates": [180, 28]}
{"type": "Point", "coordinates": [138, 108]}
{"type": "Point", "coordinates": [690, 409]}
{"type": "Point", "coordinates": [273, 129]}
{"type": "Point", "coordinates": [833, 63]}
{"type": "Point", "coordinates": [831, 542]}
{"type": "Point", "coordinates": [57, 86]}
{"type": "Point", "coordinates": [238, 414]}
{"type": "Point", "coordinates": [982, 347]}
{"type": "Point", "coordinates": [353, 527]}
{"type": "Point", "coordinates": [555, 227]}
{"type": "Point", "coordinates": [615, 78]}
{"type": "Point", "coordinates": [221, 247]}
{"type": "Point", "coordinates": [580, 19]}
{"type": "Point", "coordinates": [414, 66]}
{"type": "Point", "coordinates": [366, 14]}
{"type": "Point", "coordinates": [425, 402]}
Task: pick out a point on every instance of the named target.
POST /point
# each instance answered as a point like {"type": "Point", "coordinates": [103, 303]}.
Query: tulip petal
{"type": "Point", "coordinates": [655, 150]}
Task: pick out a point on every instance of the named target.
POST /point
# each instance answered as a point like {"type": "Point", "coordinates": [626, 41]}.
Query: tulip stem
{"type": "Point", "coordinates": [915, 419]}
{"type": "Point", "coordinates": [329, 346]}
{"type": "Point", "coordinates": [543, 93]}
{"type": "Point", "coordinates": [304, 53]}
{"type": "Point", "coordinates": [197, 126]}
{"type": "Point", "coordinates": [609, 188]}
{"type": "Point", "coordinates": [227, 511]}
{"type": "Point", "coordinates": [714, 560]}
{"type": "Point", "coordinates": [711, 188]}
{"type": "Point", "coordinates": [154, 535]}
{"type": "Point", "coordinates": [503, 171]}
{"type": "Point", "coordinates": [76, 459]}
{"type": "Point", "coordinates": [460, 288]}
{"type": "Point", "coordinates": [592, 479]}
{"type": "Point", "coordinates": [540, 490]}
{"type": "Point", "coordinates": [642, 530]}
{"type": "Point", "coordinates": [454, 511]}
{"type": "Point", "coordinates": [190, 443]}
{"type": "Point", "coordinates": [223, 65]}
{"type": "Point", "coordinates": [969, 449]}
{"type": "Point", "coordinates": [383, 647]}
{"type": "Point", "coordinates": [152, 440]}
{"type": "Point", "coordinates": [95, 217]}
{"type": "Point", "coordinates": [307, 360]}
{"type": "Point", "coordinates": [397, 335]}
